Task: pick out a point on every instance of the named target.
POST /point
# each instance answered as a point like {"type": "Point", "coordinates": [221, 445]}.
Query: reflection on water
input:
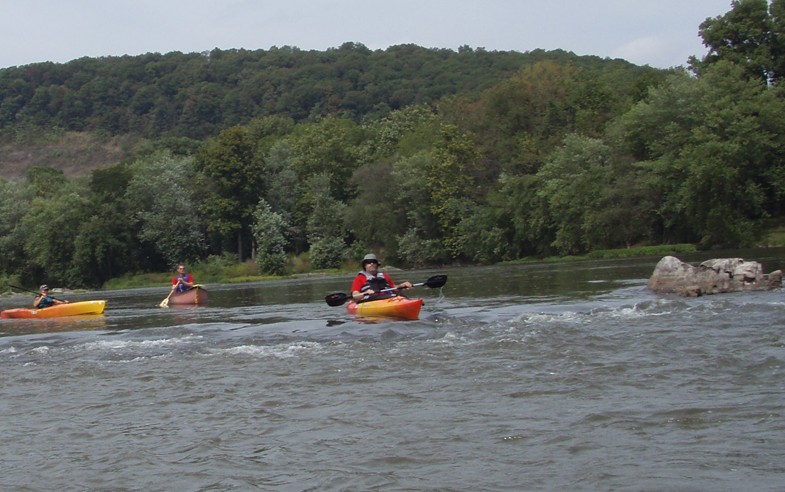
{"type": "Point", "coordinates": [13, 327]}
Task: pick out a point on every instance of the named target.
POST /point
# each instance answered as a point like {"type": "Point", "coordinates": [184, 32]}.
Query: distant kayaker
{"type": "Point", "coordinates": [43, 300]}
{"type": "Point", "coordinates": [371, 281]}
{"type": "Point", "coordinates": [182, 281]}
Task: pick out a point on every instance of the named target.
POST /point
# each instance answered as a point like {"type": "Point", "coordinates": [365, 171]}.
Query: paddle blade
{"type": "Point", "coordinates": [337, 299]}
{"type": "Point", "coordinates": [436, 281]}
{"type": "Point", "coordinates": [165, 302]}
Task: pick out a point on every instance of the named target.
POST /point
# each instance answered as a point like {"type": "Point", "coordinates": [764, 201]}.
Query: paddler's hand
{"type": "Point", "coordinates": [405, 285]}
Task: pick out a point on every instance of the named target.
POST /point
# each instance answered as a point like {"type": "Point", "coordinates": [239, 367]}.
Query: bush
{"type": "Point", "coordinates": [416, 251]}
{"type": "Point", "coordinates": [327, 253]}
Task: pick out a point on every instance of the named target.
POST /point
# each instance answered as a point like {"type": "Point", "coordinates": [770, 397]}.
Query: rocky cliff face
{"type": "Point", "coordinates": [673, 276]}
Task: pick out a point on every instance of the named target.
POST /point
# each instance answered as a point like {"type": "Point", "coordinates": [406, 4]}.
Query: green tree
{"type": "Point", "coordinates": [419, 240]}
{"type": "Point", "coordinates": [330, 146]}
{"type": "Point", "coordinates": [748, 36]}
{"type": "Point", "coordinates": [624, 215]}
{"type": "Point", "coordinates": [717, 162]}
{"type": "Point", "coordinates": [777, 38]}
{"type": "Point", "coordinates": [392, 196]}
{"type": "Point", "coordinates": [411, 198]}
{"type": "Point", "coordinates": [51, 226]}
{"type": "Point", "coordinates": [405, 131]}
{"type": "Point", "coordinates": [572, 183]}
{"type": "Point", "coordinates": [325, 224]}
{"type": "Point", "coordinates": [229, 177]}
{"type": "Point", "coordinates": [521, 119]}
{"type": "Point", "coordinates": [373, 216]}
{"type": "Point", "coordinates": [105, 243]}
{"type": "Point", "coordinates": [281, 178]}
{"type": "Point", "coordinates": [103, 248]}
{"type": "Point", "coordinates": [45, 181]}
{"type": "Point", "coordinates": [525, 212]}
{"type": "Point", "coordinates": [731, 158]}
{"type": "Point", "coordinates": [419, 250]}
{"type": "Point", "coordinates": [269, 233]}
{"type": "Point", "coordinates": [451, 181]}
{"type": "Point", "coordinates": [479, 236]}
{"type": "Point", "coordinates": [15, 201]}
{"type": "Point", "coordinates": [162, 207]}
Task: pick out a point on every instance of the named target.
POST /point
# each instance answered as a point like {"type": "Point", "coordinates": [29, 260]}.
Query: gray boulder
{"type": "Point", "coordinates": [673, 276]}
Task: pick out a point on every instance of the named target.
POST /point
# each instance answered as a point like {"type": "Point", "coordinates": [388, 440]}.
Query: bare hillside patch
{"type": "Point", "coordinates": [76, 154]}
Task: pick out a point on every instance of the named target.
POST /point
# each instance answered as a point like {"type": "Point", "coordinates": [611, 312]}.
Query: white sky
{"type": "Point", "coordinates": [660, 33]}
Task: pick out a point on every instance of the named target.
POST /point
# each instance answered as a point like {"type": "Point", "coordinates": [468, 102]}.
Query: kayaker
{"type": "Point", "coordinates": [371, 281]}
{"type": "Point", "coordinates": [182, 281]}
{"type": "Point", "coordinates": [43, 300]}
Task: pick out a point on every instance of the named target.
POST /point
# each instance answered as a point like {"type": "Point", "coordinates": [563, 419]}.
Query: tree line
{"type": "Point", "coordinates": [196, 95]}
{"type": "Point", "coordinates": [555, 158]}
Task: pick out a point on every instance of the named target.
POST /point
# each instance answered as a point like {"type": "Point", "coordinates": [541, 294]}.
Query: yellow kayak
{"type": "Point", "coordinates": [57, 311]}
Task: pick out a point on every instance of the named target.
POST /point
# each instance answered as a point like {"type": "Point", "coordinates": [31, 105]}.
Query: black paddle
{"type": "Point", "coordinates": [339, 298]}
{"type": "Point", "coordinates": [36, 293]}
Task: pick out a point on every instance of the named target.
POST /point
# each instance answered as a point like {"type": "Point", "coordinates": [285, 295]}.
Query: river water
{"type": "Point", "coordinates": [569, 376]}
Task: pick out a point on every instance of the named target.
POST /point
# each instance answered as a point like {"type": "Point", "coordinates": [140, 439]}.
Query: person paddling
{"type": "Point", "coordinates": [43, 299]}
{"type": "Point", "coordinates": [182, 281]}
{"type": "Point", "coordinates": [371, 281]}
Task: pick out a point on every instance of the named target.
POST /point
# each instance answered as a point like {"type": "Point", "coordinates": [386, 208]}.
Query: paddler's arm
{"type": "Point", "coordinates": [401, 286]}
{"type": "Point", "coordinates": [358, 283]}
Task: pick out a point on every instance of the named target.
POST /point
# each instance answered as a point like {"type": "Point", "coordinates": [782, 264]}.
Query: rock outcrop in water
{"type": "Point", "coordinates": [721, 275]}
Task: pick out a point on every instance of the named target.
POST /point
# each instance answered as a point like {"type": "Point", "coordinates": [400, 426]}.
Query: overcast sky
{"type": "Point", "coordinates": [659, 33]}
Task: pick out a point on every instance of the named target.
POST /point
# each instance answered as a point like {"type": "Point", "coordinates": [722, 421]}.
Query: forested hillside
{"type": "Point", "coordinates": [425, 156]}
{"type": "Point", "coordinates": [180, 99]}
{"type": "Point", "coordinates": [196, 95]}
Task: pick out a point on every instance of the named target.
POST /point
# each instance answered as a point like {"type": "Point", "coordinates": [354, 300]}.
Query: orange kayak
{"type": "Point", "coordinates": [57, 311]}
{"type": "Point", "coordinates": [393, 307]}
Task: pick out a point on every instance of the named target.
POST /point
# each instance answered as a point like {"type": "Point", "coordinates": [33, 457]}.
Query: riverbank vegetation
{"type": "Point", "coordinates": [227, 269]}
{"type": "Point", "coordinates": [296, 161]}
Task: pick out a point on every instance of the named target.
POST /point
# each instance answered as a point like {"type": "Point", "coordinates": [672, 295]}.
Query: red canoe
{"type": "Point", "coordinates": [191, 297]}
